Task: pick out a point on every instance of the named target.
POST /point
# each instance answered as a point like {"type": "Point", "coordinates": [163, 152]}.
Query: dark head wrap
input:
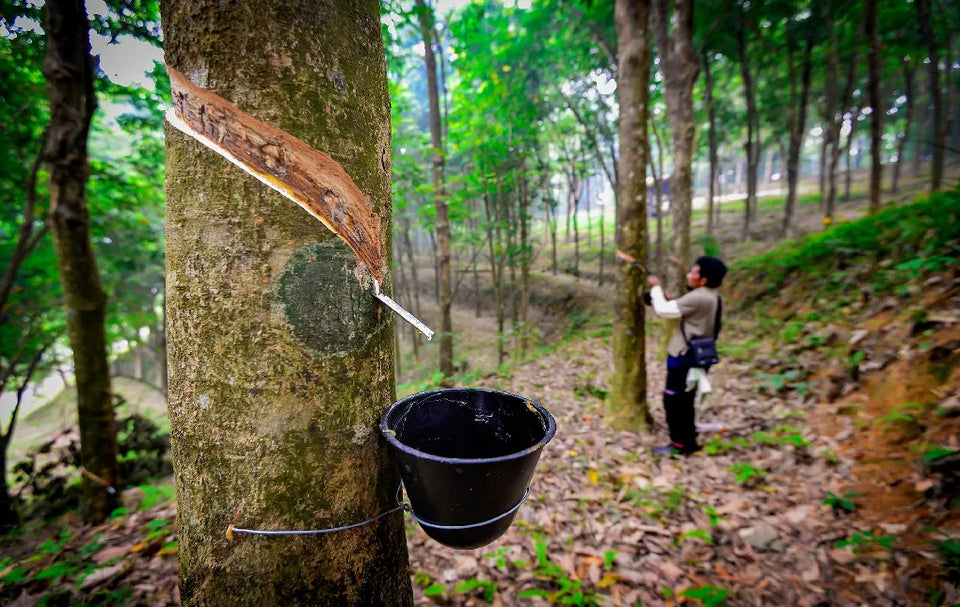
{"type": "Point", "coordinates": [712, 269]}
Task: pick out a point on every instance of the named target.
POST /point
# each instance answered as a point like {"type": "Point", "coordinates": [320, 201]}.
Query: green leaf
{"type": "Point", "coordinates": [435, 589]}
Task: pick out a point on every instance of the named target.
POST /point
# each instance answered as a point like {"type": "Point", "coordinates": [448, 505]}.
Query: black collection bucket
{"type": "Point", "coordinates": [466, 459]}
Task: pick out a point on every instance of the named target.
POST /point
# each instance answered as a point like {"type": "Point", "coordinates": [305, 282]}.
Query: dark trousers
{"type": "Point", "coordinates": [678, 404]}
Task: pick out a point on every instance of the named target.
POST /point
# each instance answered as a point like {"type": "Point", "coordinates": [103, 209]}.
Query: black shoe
{"type": "Point", "coordinates": [674, 449]}
{"type": "Point", "coordinates": [668, 449]}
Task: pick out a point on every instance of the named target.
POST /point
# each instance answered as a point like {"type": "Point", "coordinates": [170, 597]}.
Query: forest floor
{"type": "Point", "coordinates": [813, 488]}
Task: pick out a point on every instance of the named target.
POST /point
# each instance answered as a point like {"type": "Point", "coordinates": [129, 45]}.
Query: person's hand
{"type": "Point", "coordinates": [653, 281]}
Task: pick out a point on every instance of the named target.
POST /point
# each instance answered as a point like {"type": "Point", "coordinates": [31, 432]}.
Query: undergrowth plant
{"type": "Point", "coordinates": [840, 502]}
{"type": "Point", "coordinates": [867, 541]}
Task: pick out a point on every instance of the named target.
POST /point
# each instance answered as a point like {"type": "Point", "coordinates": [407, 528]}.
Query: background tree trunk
{"type": "Point", "coordinates": [752, 146]}
{"type": "Point", "coordinates": [281, 362]}
{"type": "Point", "coordinates": [679, 68]}
{"type": "Point", "coordinates": [907, 121]}
{"type": "Point", "coordinates": [876, 114]}
{"type": "Point", "coordinates": [797, 132]}
{"type": "Point", "coordinates": [936, 97]}
{"type": "Point", "coordinates": [711, 139]}
{"type": "Point", "coordinates": [628, 395]}
{"type": "Point", "coordinates": [439, 194]}
{"type": "Point", "coordinates": [68, 69]}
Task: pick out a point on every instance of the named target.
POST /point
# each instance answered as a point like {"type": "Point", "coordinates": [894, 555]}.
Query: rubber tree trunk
{"type": "Point", "coordinates": [68, 68]}
{"type": "Point", "coordinates": [797, 132]}
{"type": "Point", "coordinates": [836, 126]}
{"type": "Point", "coordinates": [876, 115]}
{"type": "Point", "coordinates": [679, 67]}
{"type": "Point", "coordinates": [427, 30]}
{"type": "Point", "coordinates": [936, 98]}
{"type": "Point", "coordinates": [711, 138]}
{"type": "Point", "coordinates": [628, 394]}
{"type": "Point", "coordinates": [908, 69]}
{"type": "Point", "coordinates": [280, 360]}
{"type": "Point", "coordinates": [752, 146]}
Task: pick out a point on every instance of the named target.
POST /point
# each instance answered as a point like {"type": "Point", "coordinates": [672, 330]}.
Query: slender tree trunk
{"type": "Point", "coordinates": [576, 244]}
{"type": "Point", "coordinates": [752, 147]}
{"type": "Point", "coordinates": [907, 120]}
{"type": "Point", "coordinates": [9, 517]}
{"type": "Point", "coordinates": [936, 97]}
{"type": "Point", "coordinates": [876, 114]}
{"type": "Point", "coordinates": [436, 267]}
{"type": "Point", "coordinates": [496, 267]}
{"type": "Point", "coordinates": [602, 248]}
{"type": "Point", "coordinates": [586, 200]}
{"type": "Point", "coordinates": [830, 101]}
{"type": "Point", "coordinates": [711, 138]}
{"type": "Point", "coordinates": [525, 257]}
{"type": "Point", "coordinates": [281, 360]}
{"type": "Point", "coordinates": [68, 69]}
{"type": "Point", "coordinates": [407, 245]}
{"type": "Point", "coordinates": [553, 235]}
{"type": "Point", "coordinates": [476, 284]}
{"type": "Point", "coordinates": [835, 126]}
{"type": "Point", "coordinates": [439, 194]}
{"type": "Point", "coordinates": [797, 131]}
{"type": "Point", "coordinates": [657, 172]}
{"type": "Point", "coordinates": [679, 67]}
{"type": "Point", "coordinates": [922, 130]}
{"type": "Point", "coordinates": [628, 395]}
{"type": "Point", "coordinates": [846, 152]}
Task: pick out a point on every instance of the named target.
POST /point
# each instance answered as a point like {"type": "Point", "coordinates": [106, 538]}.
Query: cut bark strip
{"type": "Point", "coordinates": [306, 176]}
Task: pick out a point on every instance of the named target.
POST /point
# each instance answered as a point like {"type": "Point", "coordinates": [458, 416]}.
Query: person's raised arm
{"type": "Point", "coordinates": [661, 306]}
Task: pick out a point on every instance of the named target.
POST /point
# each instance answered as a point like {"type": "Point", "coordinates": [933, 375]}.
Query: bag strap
{"type": "Point", "coordinates": [717, 321]}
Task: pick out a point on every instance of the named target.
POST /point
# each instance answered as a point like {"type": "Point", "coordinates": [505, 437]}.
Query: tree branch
{"type": "Point", "coordinates": [596, 146]}
{"type": "Point", "coordinates": [24, 244]}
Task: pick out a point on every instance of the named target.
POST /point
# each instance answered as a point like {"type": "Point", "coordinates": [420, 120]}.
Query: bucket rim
{"type": "Point", "coordinates": [548, 435]}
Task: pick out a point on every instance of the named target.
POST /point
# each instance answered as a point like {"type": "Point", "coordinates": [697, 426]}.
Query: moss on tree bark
{"type": "Point", "coordinates": [628, 397]}
{"type": "Point", "coordinates": [280, 359]}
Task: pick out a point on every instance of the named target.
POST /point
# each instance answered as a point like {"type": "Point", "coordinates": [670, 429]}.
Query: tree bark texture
{"type": "Point", "coordinates": [908, 68]}
{"type": "Point", "coordinates": [797, 132]}
{"type": "Point", "coordinates": [68, 69]}
{"type": "Point", "coordinates": [876, 115]}
{"type": "Point", "coordinates": [936, 97]}
{"type": "Point", "coordinates": [280, 359]}
{"type": "Point", "coordinates": [628, 394]}
{"type": "Point", "coordinates": [679, 67]}
{"type": "Point", "coordinates": [752, 147]}
{"type": "Point", "coordinates": [835, 127]}
{"type": "Point", "coordinates": [439, 193]}
{"type": "Point", "coordinates": [711, 139]}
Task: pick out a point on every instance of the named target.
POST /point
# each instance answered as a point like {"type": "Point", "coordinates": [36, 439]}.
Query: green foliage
{"type": "Point", "coordinates": [790, 379]}
{"type": "Point", "coordinates": [746, 473]}
{"type": "Point", "coordinates": [785, 434]}
{"type": "Point", "coordinates": [949, 551]}
{"type": "Point", "coordinates": [716, 446]}
{"type": "Point", "coordinates": [15, 575]}
{"type": "Point", "coordinates": [488, 588]}
{"type": "Point", "coordinates": [714, 516]}
{"type": "Point", "coordinates": [566, 591]}
{"type": "Point", "coordinates": [911, 240]}
{"type": "Point", "coordinates": [54, 571]}
{"type": "Point", "coordinates": [840, 502]}
{"type": "Point", "coordinates": [934, 453]}
{"type": "Point", "coordinates": [711, 596]}
{"type": "Point", "coordinates": [900, 415]}
{"type": "Point", "coordinates": [864, 541]}
{"type": "Point", "coordinates": [700, 534]}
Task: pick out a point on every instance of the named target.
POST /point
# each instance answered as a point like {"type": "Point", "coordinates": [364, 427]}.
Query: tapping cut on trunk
{"type": "Point", "coordinates": [306, 176]}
